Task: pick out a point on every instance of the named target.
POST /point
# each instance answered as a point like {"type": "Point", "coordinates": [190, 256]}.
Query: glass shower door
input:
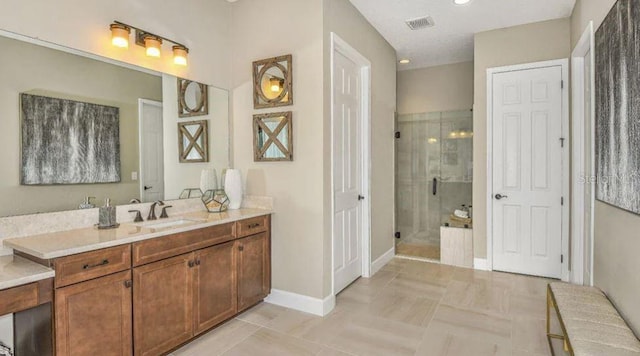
{"type": "Point", "coordinates": [433, 177]}
{"type": "Point", "coordinates": [417, 175]}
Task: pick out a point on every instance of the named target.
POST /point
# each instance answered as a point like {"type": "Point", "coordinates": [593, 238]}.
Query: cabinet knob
{"type": "Point", "coordinates": [253, 226]}
{"type": "Point", "coordinates": [191, 264]}
{"type": "Point", "coordinates": [198, 262]}
{"type": "Point", "coordinates": [128, 284]}
{"type": "Point", "coordinates": [240, 248]}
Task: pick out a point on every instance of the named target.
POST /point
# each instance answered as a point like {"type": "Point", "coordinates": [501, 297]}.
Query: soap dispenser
{"type": "Point", "coordinates": [86, 204]}
{"type": "Point", "coordinates": [107, 216]}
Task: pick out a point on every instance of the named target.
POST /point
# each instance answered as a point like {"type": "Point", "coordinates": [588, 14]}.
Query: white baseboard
{"type": "Point", "coordinates": [382, 260]}
{"type": "Point", "coordinates": [481, 264]}
{"type": "Point", "coordinates": [301, 302]}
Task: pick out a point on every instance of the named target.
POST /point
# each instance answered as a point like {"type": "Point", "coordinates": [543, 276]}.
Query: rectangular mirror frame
{"type": "Point", "coordinates": [203, 130]}
{"type": "Point", "coordinates": [258, 152]}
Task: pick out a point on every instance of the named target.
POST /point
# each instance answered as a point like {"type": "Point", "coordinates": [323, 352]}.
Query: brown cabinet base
{"type": "Point", "coordinates": [173, 289]}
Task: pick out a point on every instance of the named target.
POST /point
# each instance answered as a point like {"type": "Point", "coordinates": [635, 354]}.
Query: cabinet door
{"type": "Point", "coordinates": [163, 304]}
{"type": "Point", "coordinates": [254, 269]}
{"type": "Point", "coordinates": [215, 288]}
{"type": "Point", "coordinates": [94, 317]}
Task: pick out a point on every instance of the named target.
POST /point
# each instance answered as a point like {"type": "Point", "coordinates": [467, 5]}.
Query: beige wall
{"type": "Point", "coordinates": [301, 247]}
{"type": "Point", "coordinates": [343, 19]}
{"type": "Point", "coordinates": [202, 25]}
{"type": "Point", "coordinates": [43, 71]}
{"type": "Point", "coordinates": [297, 187]}
{"type": "Point", "coordinates": [585, 11]}
{"type": "Point", "coordinates": [515, 45]}
{"type": "Point", "coordinates": [440, 88]}
{"type": "Point", "coordinates": [616, 263]}
{"type": "Point", "coordinates": [178, 176]}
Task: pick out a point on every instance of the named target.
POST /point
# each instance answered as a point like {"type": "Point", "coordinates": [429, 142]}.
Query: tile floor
{"type": "Point", "coordinates": [408, 308]}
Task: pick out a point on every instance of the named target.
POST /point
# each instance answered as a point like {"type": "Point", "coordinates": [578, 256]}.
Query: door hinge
{"type": "Point", "coordinates": [397, 135]}
{"type": "Point", "coordinates": [561, 141]}
{"type": "Point", "coordinates": [562, 84]}
{"type": "Point", "coordinates": [561, 258]}
{"type": "Point", "coordinates": [561, 200]}
{"type": "Point", "coordinates": [397, 235]}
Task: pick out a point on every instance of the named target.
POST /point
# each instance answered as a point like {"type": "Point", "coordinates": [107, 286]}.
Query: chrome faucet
{"type": "Point", "coordinates": [135, 201]}
{"type": "Point", "coordinates": [152, 210]}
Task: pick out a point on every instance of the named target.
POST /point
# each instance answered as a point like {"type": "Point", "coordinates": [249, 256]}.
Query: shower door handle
{"type": "Point", "coordinates": [434, 186]}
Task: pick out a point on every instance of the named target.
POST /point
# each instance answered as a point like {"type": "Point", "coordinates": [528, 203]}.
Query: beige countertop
{"type": "Point", "coordinates": [65, 243]}
{"type": "Point", "coordinates": [16, 271]}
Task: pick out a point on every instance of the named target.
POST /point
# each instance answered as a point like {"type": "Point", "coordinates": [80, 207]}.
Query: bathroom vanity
{"type": "Point", "coordinates": [148, 288]}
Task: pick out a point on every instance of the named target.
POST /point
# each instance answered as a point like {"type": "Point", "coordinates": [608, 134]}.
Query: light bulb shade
{"type": "Point", "coordinates": [152, 44]}
{"type": "Point", "coordinates": [120, 35]}
{"type": "Point", "coordinates": [180, 54]}
{"type": "Point", "coordinates": [275, 84]}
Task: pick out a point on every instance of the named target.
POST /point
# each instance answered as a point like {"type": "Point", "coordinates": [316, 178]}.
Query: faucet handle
{"type": "Point", "coordinates": [138, 215]}
{"type": "Point", "coordinates": [164, 215]}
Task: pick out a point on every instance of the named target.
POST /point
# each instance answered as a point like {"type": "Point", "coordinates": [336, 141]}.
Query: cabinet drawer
{"type": "Point", "coordinates": [173, 245]}
{"type": "Point", "coordinates": [253, 226]}
{"type": "Point", "coordinates": [18, 298]}
{"type": "Point", "coordinates": [89, 265]}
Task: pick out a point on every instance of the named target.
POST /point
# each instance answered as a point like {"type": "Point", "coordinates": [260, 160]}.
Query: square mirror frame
{"type": "Point", "coordinates": [260, 68]}
{"type": "Point", "coordinates": [202, 131]}
{"type": "Point", "coordinates": [258, 124]}
{"type": "Point", "coordinates": [202, 106]}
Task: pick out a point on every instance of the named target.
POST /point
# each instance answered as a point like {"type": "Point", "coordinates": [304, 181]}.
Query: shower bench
{"type": "Point", "coordinates": [590, 324]}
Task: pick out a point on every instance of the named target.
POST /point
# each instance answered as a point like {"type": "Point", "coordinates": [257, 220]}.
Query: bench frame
{"type": "Point", "coordinates": [551, 301]}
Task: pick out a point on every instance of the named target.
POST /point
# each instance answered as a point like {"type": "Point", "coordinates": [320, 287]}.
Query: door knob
{"type": "Point", "coordinates": [500, 196]}
{"type": "Point", "coordinates": [360, 197]}
{"type": "Point", "coordinates": [147, 187]}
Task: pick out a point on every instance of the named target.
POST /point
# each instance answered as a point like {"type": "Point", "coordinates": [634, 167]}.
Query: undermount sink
{"type": "Point", "coordinates": [166, 224]}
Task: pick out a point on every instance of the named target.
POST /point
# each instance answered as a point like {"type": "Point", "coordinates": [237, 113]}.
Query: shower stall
{"type": "Point", "coordinates": [434, 170]}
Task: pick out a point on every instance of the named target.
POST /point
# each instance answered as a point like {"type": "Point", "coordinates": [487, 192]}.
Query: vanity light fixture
{"type": "Point", "coordinates": [120, 35]}
{"type": "Point", "coordinates": [404, 61]}
{"type": "Point", "coordinates": [152, 45]}
{"type": "Point", "coordinates": [180, 55]}
{"type": "Point", "coordinates": [151, 42]}
{"type": "Point", "coordinates": [461, 2]}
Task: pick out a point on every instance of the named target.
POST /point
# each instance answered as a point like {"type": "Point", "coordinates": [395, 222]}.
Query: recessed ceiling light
{"type": "Point", "coordinates": [461, 2]}
{"type": "Point", "coordinates": [404, 61]}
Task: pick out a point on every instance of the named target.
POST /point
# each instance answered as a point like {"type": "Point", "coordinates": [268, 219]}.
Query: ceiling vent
{"type": "Point", "coordinates": [420, 23]}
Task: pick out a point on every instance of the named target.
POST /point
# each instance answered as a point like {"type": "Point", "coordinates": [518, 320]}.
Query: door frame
{"type": "Point", "coordinates": [141, 103]}
{"type": "Point", "coordinates": [579, 237]}
{"type": "Point", "coordinates": [564, 64]}
{"type": "Point", "coordinates": [340, 45]}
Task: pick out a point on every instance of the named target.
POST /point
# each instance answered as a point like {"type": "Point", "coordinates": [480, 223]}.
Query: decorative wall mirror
{"type": "Point", "coordinates": [273, 137]}
{"type": "Point", "coordinates": [193, 98]}
{"type": "Point", "coordinates": [193, 141]}
{"type": "Point", "coordinates": [272, 82]}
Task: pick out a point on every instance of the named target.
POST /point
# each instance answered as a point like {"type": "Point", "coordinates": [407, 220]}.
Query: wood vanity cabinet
{"type": "Point", "coordinates": [94, 317]}
{"type": "Point", "coordinates": [149, 297]}
{"type": "Point", "coordinates": [254, 270]}
{"type": "Point", "coordinates": [180, 297]}
{"type": "Point", "coordinates": [92, 303]}
{"type": "Point", "coordinates": [215, 286]}
{"type": "Point", "coordinates": [163, 304]}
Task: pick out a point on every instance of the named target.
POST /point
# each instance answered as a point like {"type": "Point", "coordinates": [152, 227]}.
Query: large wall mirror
{"type": "Point", "coordinates": [148, 108]}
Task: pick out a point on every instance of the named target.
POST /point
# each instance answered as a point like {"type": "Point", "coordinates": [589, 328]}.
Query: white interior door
{"type": "Point", "coordinates": [527, 171]}
{"type": "Point", "coordinates": [347, 171]}
{"type": "Point", "coordinates": [151, 151]}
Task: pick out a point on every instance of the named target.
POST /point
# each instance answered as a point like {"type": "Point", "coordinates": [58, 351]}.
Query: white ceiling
{"type": "Point", "coordinates": [451, 39]}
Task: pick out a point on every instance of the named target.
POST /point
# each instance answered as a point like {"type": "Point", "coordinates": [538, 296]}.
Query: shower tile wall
{"type": "Point", "coordinates": [432, 145]}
